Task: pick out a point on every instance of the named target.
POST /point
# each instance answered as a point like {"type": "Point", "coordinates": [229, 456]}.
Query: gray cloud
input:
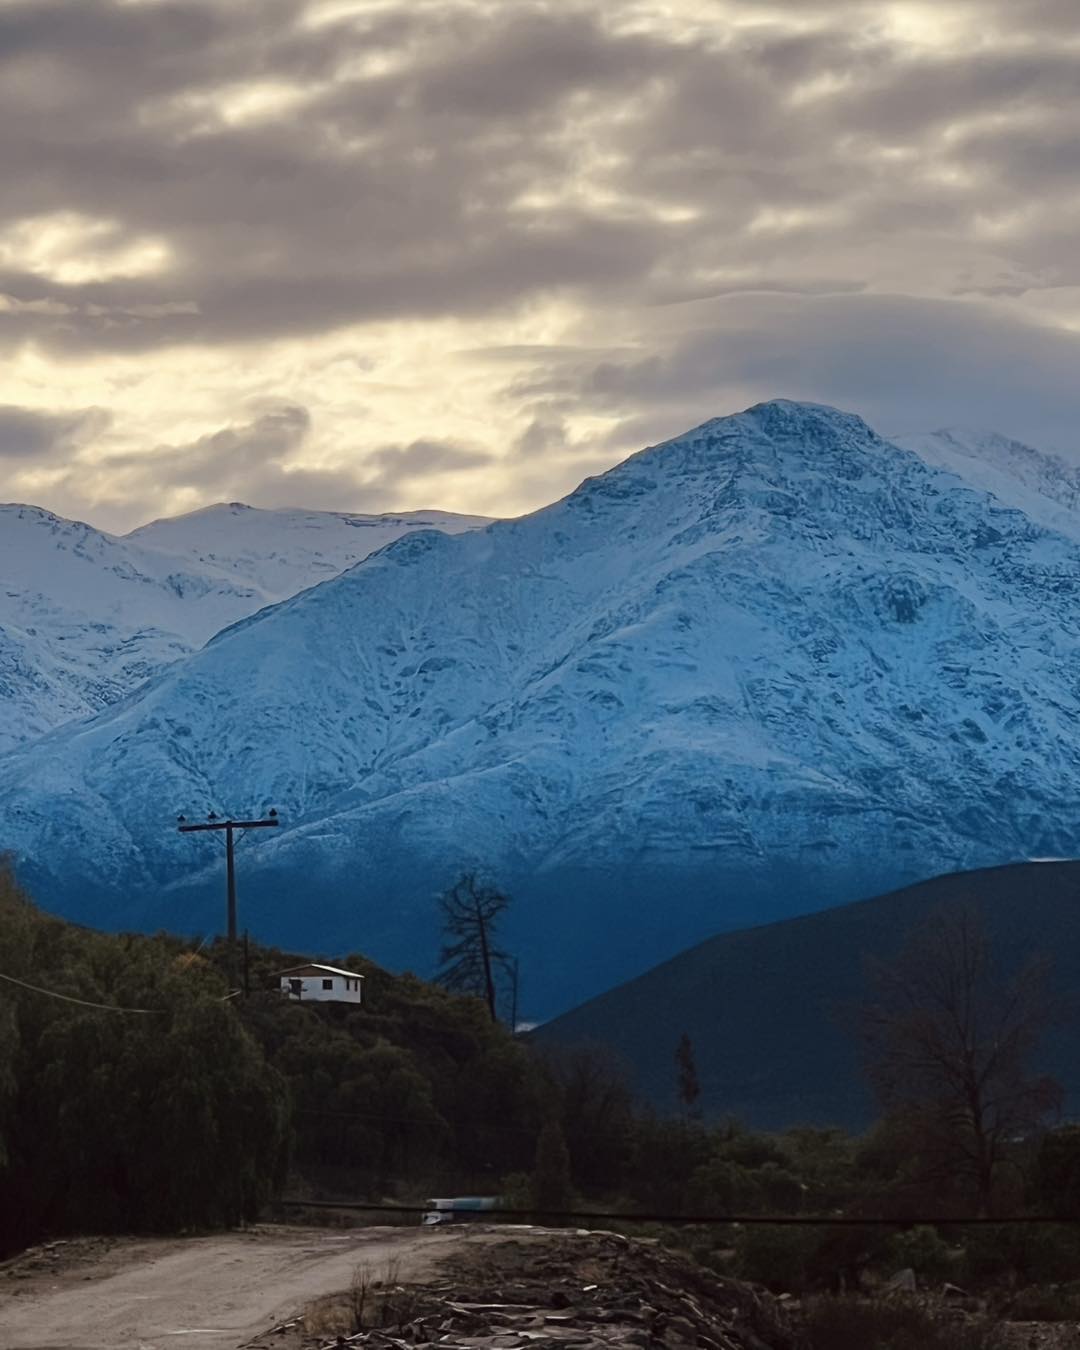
{"type": "Point", "coordinates": [29, 434]}
{"type": "Point", "coordinates": [247, 459]}
{"type": "Point", "coordinates": [395, 464]}
{"type": "Point", "coordinates": [820, 209]}
{"type": "Point", "coordinates": [904, 364]}
{"type": "Point", "coordinates": [398, 192]}
{"type": "Point", "coordinates": [258, 461]}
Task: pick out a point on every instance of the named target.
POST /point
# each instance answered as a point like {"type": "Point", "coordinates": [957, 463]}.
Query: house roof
{"type": "Point", "coordinates": [323, 970]}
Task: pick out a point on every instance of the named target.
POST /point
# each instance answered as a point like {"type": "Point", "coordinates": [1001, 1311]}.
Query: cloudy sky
{"type": "Point", "coordinates": [383, 254]}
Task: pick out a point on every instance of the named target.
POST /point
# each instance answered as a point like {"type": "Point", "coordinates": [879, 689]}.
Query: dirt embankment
{"type": "Point", "coordinates": [462, 1288]}
{"type": "Point", "coordinates": [466, 1288]}
{"type": "Point", "coordinates": [544, 1290]}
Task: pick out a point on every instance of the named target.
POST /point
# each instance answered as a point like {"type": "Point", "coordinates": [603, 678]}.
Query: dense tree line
{"type": "Point", "coordinates": [137, 1095]}
{"type": "Point", "coordinates": [416, 1089]}
{"type": "Point", "coordinates": [115, 1119]}
{"type": "Point", "coordinates": [174, 1106]}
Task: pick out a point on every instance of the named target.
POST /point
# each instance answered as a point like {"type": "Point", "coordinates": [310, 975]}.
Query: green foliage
{"type": "Point", "coordinates": [687, 1084]}
{"type": "Point", "coordinates": [923, 1250]}
{"type": "Point", "coordinates": [667, 1155]}
{"type": "Point", "coordinates": [418, 1090]}
{"type": "Point", "coordinates": [1057, 1172]}
{"type": "Point", "coordinates": [517, 1192]}
{"type": "Point", "coordinates": [851, 1323]}
{"type": "Point", "coordinates": [598, 1117]}
{"type": "Point", "coordinates": [189, 1117]}
{"type": "Point", "coordinates": [115, 1119]}
{"type": "Point", "coordinates": [825, 1163]}
{"type": "Point", "coordinates": [15, 917]}
{"type": "Point", "coordinates": [778, 1258]}
{"type": "Point", "coordinates": [1022, 1254]}
{"type": "Point", "coordinates": [723, 1187]}
{"type": "Point", "coordinates": [1046, 1303]}
{"type": "Point", "coordinates": [551, 1189]}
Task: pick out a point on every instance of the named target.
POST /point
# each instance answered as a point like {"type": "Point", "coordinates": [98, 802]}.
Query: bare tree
{"type": "Point", "coordinates": [470, 956]}
{"type": "Point", "coordinates": [948, 1043]}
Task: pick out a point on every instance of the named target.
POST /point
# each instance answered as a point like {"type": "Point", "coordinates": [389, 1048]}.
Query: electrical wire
{"type": "Point", "coordinates": [101, 1007]}
{"type": "Point", "coordinates": [82, 1002]}
{"type": "Point", "coordinates": [741, 1220]}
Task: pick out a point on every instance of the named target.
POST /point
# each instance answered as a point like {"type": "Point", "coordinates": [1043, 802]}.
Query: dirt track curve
{"type": "Point", "coordinates": [209, 1293]}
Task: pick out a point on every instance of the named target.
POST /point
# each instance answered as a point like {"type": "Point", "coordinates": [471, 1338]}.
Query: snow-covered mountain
{"type": "Point", "coordinates": [1042, 485]}
{"type": "Point", "coordinates": [277, 553]}
{"type": "Point", "coordinates": [773, 664]}
{"type": "Point", "coordinates": [86, 617]}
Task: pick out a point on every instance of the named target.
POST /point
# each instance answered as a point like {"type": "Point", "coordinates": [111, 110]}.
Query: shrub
{"type": "Point", "coordinates": [1036, 1253]}
{"type": "Point", "coordinates": [777, 1257]}
{"type": "Point", "coordinates": [1046, 1303]}
{"type": "Point", "coordinates": [722, 1187]}
{"type": "Point", "coordinates": [849, 1323]}
{"type": "Point", "coordinates": [924, 1251]}
{"type": "Point", "coordinates": [1057, 1172]}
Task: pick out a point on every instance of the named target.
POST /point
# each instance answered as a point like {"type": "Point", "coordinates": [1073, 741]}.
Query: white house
{"type": "Point", "coordinates": [322, 984]}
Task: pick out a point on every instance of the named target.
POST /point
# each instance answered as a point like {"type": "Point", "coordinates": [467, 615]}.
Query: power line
{"type": "Point", "coordinates": [82, 1002]}
{"type": "Point", "coordinates": [727, 1220]}
{"type": "Point", "coordinates": [451, 1121]}
{"type": "Point", "coordinates": [101, 1007]}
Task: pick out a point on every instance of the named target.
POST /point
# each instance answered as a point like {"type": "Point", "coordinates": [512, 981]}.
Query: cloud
{"type": "Point", "coordinates": [258, 461]}
{"type": "Point", "coordinates": [445, 161]}
{"type": "Point", "coordinates": [968, 362]}
{"type": "Point", "coordinates": [30, 434]}
{"type": "Point", "coordinates": [394, 464]}
{"type": "Point", "coordinates": [352, 208]}
{"type": "Point", "coordinates": [251, 457]}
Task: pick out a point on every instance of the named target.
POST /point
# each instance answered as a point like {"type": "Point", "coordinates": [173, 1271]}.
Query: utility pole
{"type": "Point", "coordinates": [230, 826]}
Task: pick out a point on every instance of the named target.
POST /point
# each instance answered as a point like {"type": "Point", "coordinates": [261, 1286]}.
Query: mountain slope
{"type": "Point", "coordinates": [771, 1011]}
{"type": "Point", "coordinates": [280, 552]}
{"type": "Point", "coordinates": [1042, 485]}
{"type": "Point", "coordinates": [86, 617]}
{"type": "Point", "coordinates": [771, 665]}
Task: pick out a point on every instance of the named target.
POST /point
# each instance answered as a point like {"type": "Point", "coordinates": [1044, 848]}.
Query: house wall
{"type": "Point", "coordinates": [313, 990]}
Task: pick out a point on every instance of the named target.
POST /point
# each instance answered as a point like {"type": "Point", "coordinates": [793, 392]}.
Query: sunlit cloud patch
{"type": "Point", "coordinates": [534, 235]}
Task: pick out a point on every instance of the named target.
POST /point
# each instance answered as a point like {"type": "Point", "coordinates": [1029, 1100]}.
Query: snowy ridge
{"type": "Point", "coordinates": [278, 553]}
{"type": "Point", "coordinates": [86, 617]}
{"type": "Point", "coordinates": [1042, 485]}
{"type": "Point", "coordinates": [775, 663]}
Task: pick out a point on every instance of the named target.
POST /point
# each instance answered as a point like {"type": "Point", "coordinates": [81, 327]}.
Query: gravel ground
{"type": "Point", "coordinates": [205, 1293]}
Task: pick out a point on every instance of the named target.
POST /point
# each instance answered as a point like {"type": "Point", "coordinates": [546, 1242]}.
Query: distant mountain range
{"type": "Point", "coordinates": [772, 1011]}
{"type": "Point", "coordinates": [771, 665]}
{"type": "Point", "coordinates": [86, 617]}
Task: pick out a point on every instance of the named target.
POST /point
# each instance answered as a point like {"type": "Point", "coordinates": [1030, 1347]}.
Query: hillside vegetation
{"type": "Point", "coordinates": [770, 1009]}
{"type": "Point", "coordinates": [173, 1106]}
{"type": "Point", "coordinates": [137, 1095]}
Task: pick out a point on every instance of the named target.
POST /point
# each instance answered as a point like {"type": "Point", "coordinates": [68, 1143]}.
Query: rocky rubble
{"type": "Point", "coordinates": [60, 1257]}
{"type": "Point", "coordinates": [573, 1291]}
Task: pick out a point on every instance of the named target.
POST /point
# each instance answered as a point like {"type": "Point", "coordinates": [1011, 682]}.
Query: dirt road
{"type": "Point", "coordinates": [210, 1293]}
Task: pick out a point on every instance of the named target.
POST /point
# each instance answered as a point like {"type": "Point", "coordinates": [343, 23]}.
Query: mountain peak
{"type": "Point", "coordinates": [785, 416]}
{"type": "Point", "coordinates": [88, 616]}
{"type": "Point", "coordinates": [774, 663]}
{"type": "Point", "coordinates": [41, 514]}
{"type": "Point", "coordinates": [809, 427]}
